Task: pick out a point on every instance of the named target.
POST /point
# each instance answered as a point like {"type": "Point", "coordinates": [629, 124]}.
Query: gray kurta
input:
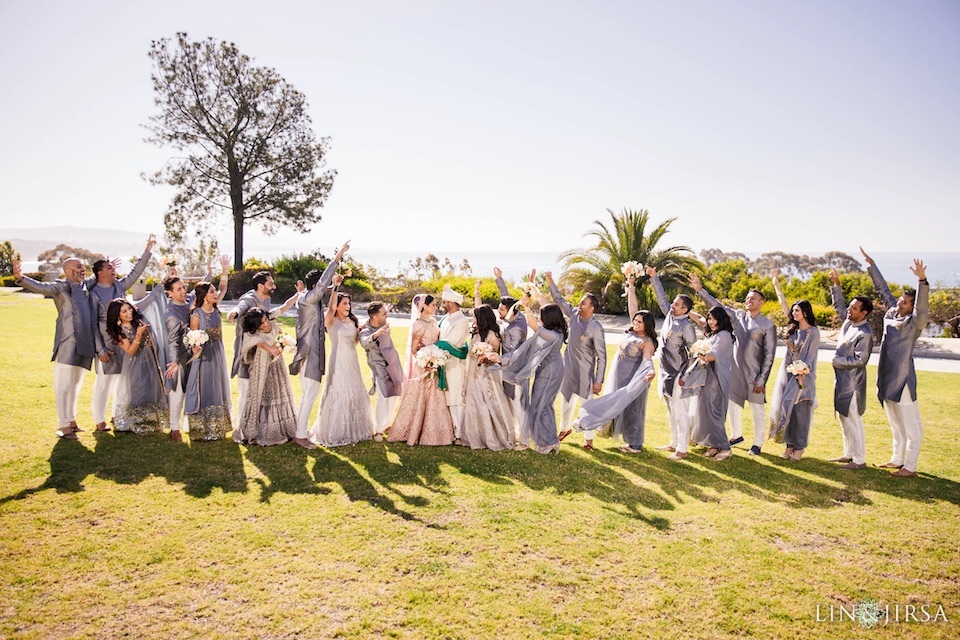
{"type": "Point", "coordinates": [895, 371]}
{"type": "Point", "coordinates": [311, 334]}
{"type": "Point", "coordinates": [514, 335]}
{"type": "Point", "coordinates": [384, 362]}
{"type": "Point", "coordinates": [677, 334]}
{"type": "Point", "coordinates": [850, 362]}
{"type": "Point", "coordinates": [248, 301]}
{"type": "Point", "coordinates": [176, 319]}
{"type": "Point", "coordinates": [756, 346]}
{"type": "Point", "coordinates": [585, 360]}
{"type": "Point", "coordinates": [67, 349]}
{"type": "Point", "coordinates": [105, 294]}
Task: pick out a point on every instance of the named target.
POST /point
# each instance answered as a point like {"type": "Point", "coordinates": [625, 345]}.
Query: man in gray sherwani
{"type": "Point", "coordinates": [514, 334]}
{"type": "Point", "coordinates": [310, 359]}
{"type": "Point", "coordinates": [584, 361]}
{"type": "Point", "coordinates": [676, 334]}
{"type": "Point", "coordinates": [105, 287]}
{"type": "Point", "coordinates": [385, 367]}
{"type": "Point", "coordinates": [903, 323]}
{"type": "Point", "coordinates": [756, 346]}
{"type": "Point", "coordinates": [256, 298]}
{"type": "Point", "coordinates": [850, 370]}
{"type": "Point", "coordinates": [77, 339]}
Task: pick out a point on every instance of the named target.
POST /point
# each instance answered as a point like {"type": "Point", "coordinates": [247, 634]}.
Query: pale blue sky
{"type": "Point", "coordinates": [801, 126]}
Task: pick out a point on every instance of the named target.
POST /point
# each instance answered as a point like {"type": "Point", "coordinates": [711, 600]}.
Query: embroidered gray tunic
{"type": "Point", "coordinates": [895, 371]}
{"type": "Point", "coordinates": [514, 335]}
{"type": "Point", "coordinates": [65, 347]}
{"type": "Point", "coordinates": [585, 360]}
{"type": "Point", "coordinates": [311, 334]}
{"type": "Point", "coordinates": [756, 346]}
{"type": "Point", "coordinates": [248, 301]}
{"type": "Point", "coordinates": [384, 362]}
{"type": "Point", "coordinates": [850, 362]}
{"type": "Point", "coordinates": [104, 295]}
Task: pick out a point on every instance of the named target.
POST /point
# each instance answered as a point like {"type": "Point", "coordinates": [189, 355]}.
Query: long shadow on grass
{"type": "Point", "coordinates": [70, 464]}
{"type": "Point", "coordinates": [127, 458]}
{"type": "Point", "coordinates": [340, 466]}
{"type": "Point", "coordinates": [563, 473]}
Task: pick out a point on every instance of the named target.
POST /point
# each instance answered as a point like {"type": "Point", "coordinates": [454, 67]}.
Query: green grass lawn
{"type": "Point", "coordinates": [118, 535]}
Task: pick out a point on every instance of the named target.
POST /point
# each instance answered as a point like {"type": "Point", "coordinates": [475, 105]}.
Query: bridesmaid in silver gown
{"type": "Point", "coordinates": [708, 378]}
{"type": "Point", "coordinates": [487, 417]}
{"type": "Point", "coordinates": [208, 399]}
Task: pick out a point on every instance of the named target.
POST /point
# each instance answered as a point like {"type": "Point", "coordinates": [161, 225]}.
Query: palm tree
{"type": "Point", "coordinates": [597, 269]}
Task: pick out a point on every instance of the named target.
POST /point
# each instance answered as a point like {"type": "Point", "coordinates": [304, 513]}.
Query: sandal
{"type": "Point", "coordinates": [788, 453]}
{"type": "Point", "coordinates": [102, 426]}
{"type": "Point", "coordinates": [67, 433]}
{"type": "Point", "coordinates": [588, 445]}
{"type": "Point", "coordinates": [627, 449]}
{"type": "Point", "coordinates": [796, 455]}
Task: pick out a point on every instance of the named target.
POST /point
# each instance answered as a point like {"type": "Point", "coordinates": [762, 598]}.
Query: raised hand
{"type": "Point", "coordinates": [17, 273]}
{"type": "Point", "coordinates": [151, 242]}
{"type": "Point", "coordinates": [631, 279]}
{"type": "Point", "coordinates": [919, 269]}
{"type": "Point", "coordinates": [867, 258]}
{"type": "Point", "coordinates": [695, 282]}
{"type": "Point", "coordinates": [337, 279]}
{"type": "Point", "coordinates": [116, 263]}
{"type": "Point", "coordinates": [476, 285]}
{"type": "Point", "coordinates": [343, 250]}
{"type": "Point", "coordinates": [224, 263]}
{"type": "Point", "coordinates": [549, 276]}
{"type": "Point", "coordinates": [300, 286]}
{"type": "Point", "coordinates": [651, 271]}
{"type": "Point", "coordinates": [497, 273]}
{"type": "Point", "coordinates": [834, 277]}
{"type": "Point", "coordinates": [776, 279]}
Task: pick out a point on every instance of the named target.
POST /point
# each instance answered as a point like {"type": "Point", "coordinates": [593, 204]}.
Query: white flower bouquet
{"type": "Point", "coordinates": [700, 348]}
{"type": "Point", "coordinates": [483, 351]}
{"type": "Point", "coordinates": [631, 268]}
{"type": "Point", "coordinates": [798, 368]}
{"type": "Point", "coordinates": [431, 357]}
{"type": "Point", "coordinates": [168, 261]}
{"type": "Point", "coordinates": [287, 342]}
{"type": "Point", "coordinates": [196, 338]}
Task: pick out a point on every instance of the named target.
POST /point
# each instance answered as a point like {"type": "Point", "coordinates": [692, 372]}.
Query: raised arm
{"type": "Point", "coordinates": [48, 289]}
{"type": "Point", "coordinates": [632, 305]}
{"type": "Point", "coordinates": [138, 268]}
{"type": "Point", "coordinates": [836, 296]}
{"type": "Point", "coordinates": [782, 298]}
{"type": "Point", "coordinates": [879, 283]}
{"type": "Point", "coordinates": [709, 299]}
{"type": "Point", "coordinates": [658, 291]}
{"type": "Point", "coordinates": [331, 312]}
{"type": "Point", "coordinates": [501, 285]}
{"type": "Point", "coordinates": [558, 298]}
{"type": "Point", "coordinates": [921, 307]}
{"type": "Point", "coordinates": [224, 270]}
{"type": "Point", "coordinates": [477, 300]}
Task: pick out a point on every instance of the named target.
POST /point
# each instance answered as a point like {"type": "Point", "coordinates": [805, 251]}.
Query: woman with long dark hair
{"type": "Point", "coordinates": [207, 399]}
{"type": "Point", "coordinates": [346, 416]}
{"type": "Point", "coordinates": [539, 357]}
{"type": "Point", "coordinates": [487, 418]}
{"type": "Point", "coordinates": [795, 393]}
{"type": "Point", "coordinates": [624, 403]}
{"type": "Point", "coordinates": [708, 378]}
{"type": "Point", "coordinates": [423, 417]}
{"type": "Point", "coordinates": [269, 413]}
{"type": "Point", "coordinates": [141, 403]}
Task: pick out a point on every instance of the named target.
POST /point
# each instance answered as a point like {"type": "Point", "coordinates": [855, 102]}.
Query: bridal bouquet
{"type": "Point", "coordinates": [631, 268]}
{"type": "Point", "coordinates": [798, 368]}
{"type": "Point", "coordinates": [483, 351]}
{"type": "Point", "coordinates": [168, 261]}
{"type": "Point", "coordinates": [431, 357]}
{"type": "Point", "coordinates": [287, 342]}
{"type": "Point", "coordinates": [700, 348]}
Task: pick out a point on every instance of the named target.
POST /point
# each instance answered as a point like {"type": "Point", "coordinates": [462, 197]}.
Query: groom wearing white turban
{"type": "Point", "coordinates": [454, 330]}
